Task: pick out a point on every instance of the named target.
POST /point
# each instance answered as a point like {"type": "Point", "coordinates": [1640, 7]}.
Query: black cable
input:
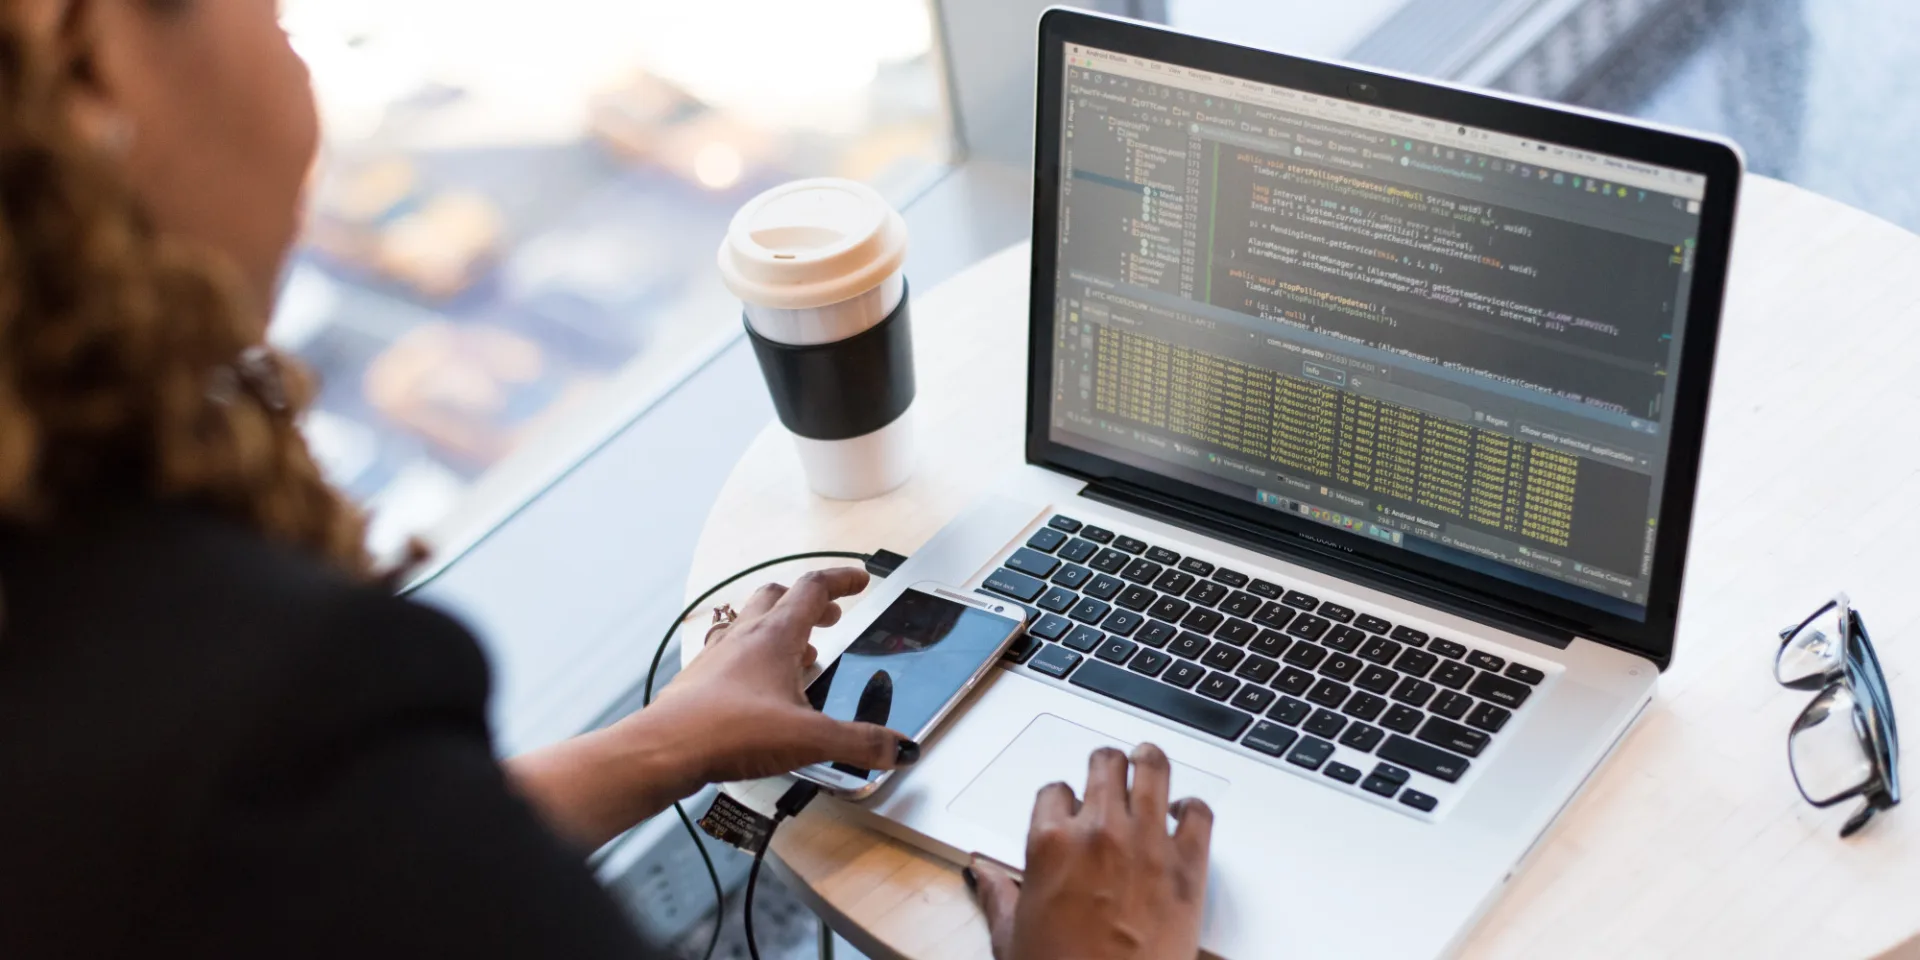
{"type": "Point", "coordinates": [646, 699]}
{"type": "Point", "coordinates": [790, 804]}
{"type": "Point", "coordinates": [753, 879]}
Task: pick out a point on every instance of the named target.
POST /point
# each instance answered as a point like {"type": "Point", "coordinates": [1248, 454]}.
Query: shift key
{"type": "Point", "coordinates": [1432, 761]}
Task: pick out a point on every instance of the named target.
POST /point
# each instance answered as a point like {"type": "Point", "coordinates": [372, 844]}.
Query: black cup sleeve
{"type": "Point", "coordinates": [844, 389]}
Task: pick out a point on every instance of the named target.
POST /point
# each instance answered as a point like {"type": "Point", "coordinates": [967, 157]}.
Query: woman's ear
{"type": "Point", "coordinates": [81, 35]}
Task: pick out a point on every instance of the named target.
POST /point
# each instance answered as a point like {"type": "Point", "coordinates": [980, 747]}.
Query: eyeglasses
{"type": "Point", "coordinates": [1844, 744]}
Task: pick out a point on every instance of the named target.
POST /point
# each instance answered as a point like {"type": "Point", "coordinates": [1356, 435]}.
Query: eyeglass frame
{"type": "Point", "coordinates": [1859, 671]}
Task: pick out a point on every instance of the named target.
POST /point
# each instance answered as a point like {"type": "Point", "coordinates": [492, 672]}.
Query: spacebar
{"type": "Point", "coordinates": [1155, 697]}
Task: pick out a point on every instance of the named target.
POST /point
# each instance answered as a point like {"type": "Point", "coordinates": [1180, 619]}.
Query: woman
{"type": "Point", "coordinates": [218, 735]}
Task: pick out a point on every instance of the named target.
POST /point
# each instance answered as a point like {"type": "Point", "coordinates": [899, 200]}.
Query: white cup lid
{"type": "Point", "coordinates": [811, 243]}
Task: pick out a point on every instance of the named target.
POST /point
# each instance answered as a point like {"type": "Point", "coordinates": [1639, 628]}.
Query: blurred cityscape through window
{"type": "Point", "coordinates": [517, 208]}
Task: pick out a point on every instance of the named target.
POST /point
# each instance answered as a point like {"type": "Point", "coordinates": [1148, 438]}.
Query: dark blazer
{"type": "Point", "coordinates": [213, 746]}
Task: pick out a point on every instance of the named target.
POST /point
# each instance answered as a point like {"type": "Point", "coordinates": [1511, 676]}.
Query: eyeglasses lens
{"type": "Point", "coordinates": [1828, 747]}
{"type": "Point", "coordinates": [1814, 652]}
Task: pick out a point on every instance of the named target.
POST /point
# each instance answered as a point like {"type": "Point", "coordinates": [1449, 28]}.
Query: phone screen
{"type": "Point", "coordinates": [915, 658]}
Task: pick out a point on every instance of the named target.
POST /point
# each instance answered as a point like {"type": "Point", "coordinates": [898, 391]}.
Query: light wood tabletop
{"type": "Point", "coordinates": [1693, 840]}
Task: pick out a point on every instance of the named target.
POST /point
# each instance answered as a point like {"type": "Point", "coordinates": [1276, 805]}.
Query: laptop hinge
{"type": "Point", "coordinates": [1329, 560]}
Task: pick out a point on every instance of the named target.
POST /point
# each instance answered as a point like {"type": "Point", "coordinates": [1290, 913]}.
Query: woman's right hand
{"type": "Point", "coordinates": [1105, 878]}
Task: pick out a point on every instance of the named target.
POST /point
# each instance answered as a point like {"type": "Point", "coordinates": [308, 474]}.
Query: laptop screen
{"type": "Point", "coordinates": [1447, 340]}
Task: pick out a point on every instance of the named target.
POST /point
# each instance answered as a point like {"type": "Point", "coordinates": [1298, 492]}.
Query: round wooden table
{"type": "Point", "coordinates": [1694, 840]}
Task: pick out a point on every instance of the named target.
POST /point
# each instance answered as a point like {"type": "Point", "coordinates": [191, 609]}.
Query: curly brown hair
{"type": "Point", "coordinates": [115, 339]}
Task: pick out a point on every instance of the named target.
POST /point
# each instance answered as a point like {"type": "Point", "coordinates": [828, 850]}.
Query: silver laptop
{"type": "Point", "coordinates": [1364, 423]}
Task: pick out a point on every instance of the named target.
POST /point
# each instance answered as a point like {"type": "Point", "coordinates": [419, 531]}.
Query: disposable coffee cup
{"type": "Point", "coordinates": [817, 264]}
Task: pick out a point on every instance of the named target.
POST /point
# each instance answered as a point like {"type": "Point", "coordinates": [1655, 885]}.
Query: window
{"type": "Point", "coordinates": [516, 211]}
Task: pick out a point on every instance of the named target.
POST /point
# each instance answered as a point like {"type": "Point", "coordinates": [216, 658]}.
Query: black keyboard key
{"type": "Point", "coordinates": [1149, 663]}
{"type": "Point", "coordinates": [1414, 692]}
{"type": "Point", "coordinates": [1130, 545]}
{"type": "Point", "coordinates": [1270, 643]}
{"type": "Point", "coordinates": [1072, 576]}
{"type": "Point", "coordinates": [1489, 717]}
{"type": "Point", "coordinates": [1051, 626]}
{"type": "Point", "coordinates": [1098, 534]}
{"type": "Point", "coordinates": [1269, 591]}
{"type": "Point", "coordinates": [1410, 636]}
{"type": "Point", "coordinates": [1257, 669]}
{"type": "Point", "coordinates": [1499, 690]}
{"type": "Point", "coordinates": [1219, 686]}
{"type": "Point", "coordinates": [1191, 646]}
{"type": "Point", "coordinates": [1206, 593]}
{"type": "Point", "coordinates": [1270, 739]}
{"type": "Point", "coordinates": [1453, 674]}
{"type": "Point", "coordinates": [1170, 609]}
{"type": "Point", "coordinates": [1254, 698]}
{"type": "Point", "coordinates": [1301, 601]}
{"type": "Point", "coordinates": [1162, 556]}
{"type": "Point", "coordinates": [1310, 753]}
{"type": "Point", "coordinates": [1274, 615]}
{"type": "Point", "coordinates": [1022, 647]}
{"type": "Point", "coordinates": [1402, 718]}
{"type": "Point", "coordinates": [1415, 662]}
{"type": "Point", "coordinates": [1141, 571]}
{"type": "Point", "coordinates": [1486, 661]}
{"type": "Point", "coordinates": [1054, 661]}
{"type": "Point", "coordinates": [1158, 698]}
{"type": "Point", "coordinates": [1341, 772]}
{"type": "Point", "coordinates": [1084, 639]}
{"type": "Point", "coordinates": [1419, 801]}
{"type": "Point", "coordinates": [1102, 587]}
{"type": "Point", "coordinates": [1016, 585]}
{"type": "Point", "coordinates": [1202, 620]}
{"type": "Point", "coordinates": [1372, 624]}
{"type": "Point", "coordinates": [1078, 550]}
{"type": "Point", "coordinates": [1243, 605]}
{"type": "Point", "coordinates": [1293, 680]}
{"type": "Point", "coordinates": [1431, 761]}
{"type": "Point", "coordinates": [1290, 711]}
{"type": "Point", "coordinates": [1232, 578]}
{"type": "Point", "coordinates": [1309, 627]}
{"type": "Point", "coordinates": [1325, 723]}
{"type": "Point", "coordinates": [1336, 612]}
{"type": "Point", "coordinates": [1046, 540]}
{"type": "Point", "coordinates": [1197, 567]}
{"type": "Point", "coordinates": [1341, 667]}
{"type": "Point", "coordinates": [1377, 679]}
{"type": "Point", "coordinates": [1065, 524]}
{"type": "Point", "coordinates": [1442, 732]}
{"type": "Point", "coordinates": [1344, 639]}
{"type": "Point", "coordinates": [1109, 561]}
{"type": "Point", "coordinates": [1392, 774]}
{"type": "Point", "coordinates": [1329, 693]}
{"type": "Point", "coordinates": [1306, 655]}
{"type": "Point", "coordinates": [1525, 674]}
{"type": "Point", "coordinates": [1448, 649]}
{"type": "Point", "coordinates": [1365, 706]}
{"type": "Point", "coordinates": [1451, 705]}
{"type": "Point", "coordinates": [1223, 657]}
{"type": "Point", "coordinates": [1362, 737]}
{"type": "Point", "coordinates": [1122, 622]}
{"type": "Point", "coordinates": [1089, 610]}
{"type": "Point", "coordinates": [1237, 632]}
{"type": "Point", "coordinates": [1116, 650]}
{"type": "Point", "coordinates": [1183, 674]}
{"type": "Point", "coordinates": [1136, 598]}
{"type": "Point", "coordinates": [1155, 633]}
{"type": "Point", "coordinates": [1174, 582]}
{"type": "Point", "coordinates": [1058, 600]}
{"type": "Point", "coordinates": [1380, 785]}
{"type": "Point", "coordinates": [1380, 650]}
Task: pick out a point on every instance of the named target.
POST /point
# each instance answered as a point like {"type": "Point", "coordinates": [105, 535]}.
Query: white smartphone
{"type": "Point", "coordinates": [909, 668]}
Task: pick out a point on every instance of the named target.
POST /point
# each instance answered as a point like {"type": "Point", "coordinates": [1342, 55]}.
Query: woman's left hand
{"type": "Point", "coordinates": [743, 699]}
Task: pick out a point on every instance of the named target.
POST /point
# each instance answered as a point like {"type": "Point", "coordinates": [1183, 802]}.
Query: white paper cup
{"type": "Point", "coordinates": [818, 263]}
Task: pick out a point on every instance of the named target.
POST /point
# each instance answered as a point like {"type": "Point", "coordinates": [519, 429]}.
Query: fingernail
{"type": "Point", "coordinates": [906, 753]}
{"type": "Point", "coordinates": [973, 881]}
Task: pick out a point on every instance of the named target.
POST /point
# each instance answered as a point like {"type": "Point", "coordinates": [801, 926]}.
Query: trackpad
{"type": "Point", "coordinates": [1049, 750]}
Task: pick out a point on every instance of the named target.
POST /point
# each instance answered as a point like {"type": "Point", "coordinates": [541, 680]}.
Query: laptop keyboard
{"type": "Point", "coordinates": [1248, 661]}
